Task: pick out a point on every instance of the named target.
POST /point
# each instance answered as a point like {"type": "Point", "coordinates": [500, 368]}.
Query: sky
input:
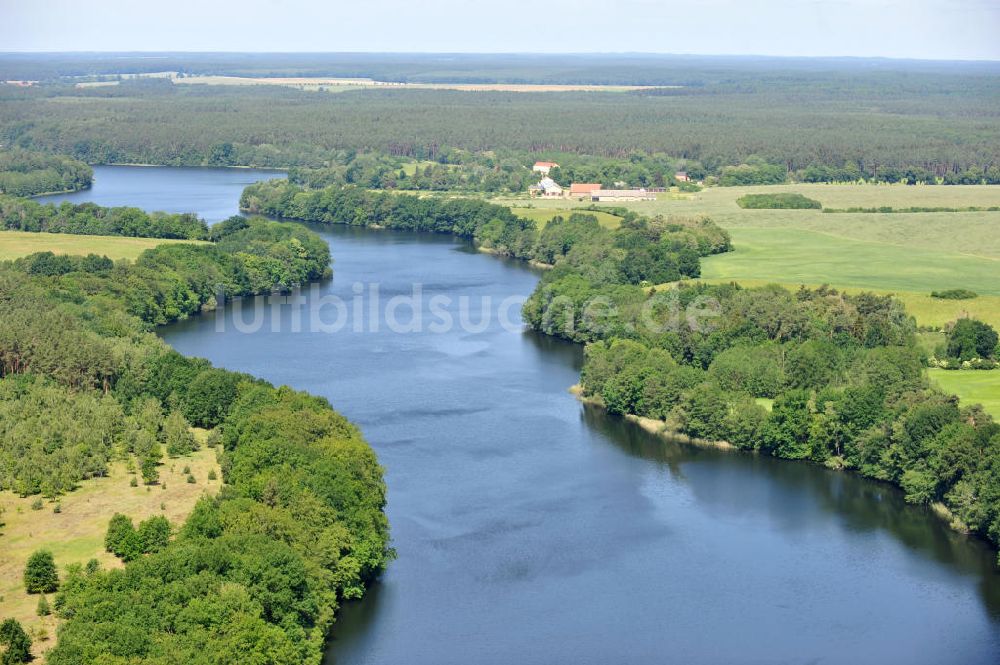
{"type": "Point", "coordinates": [925, 29]}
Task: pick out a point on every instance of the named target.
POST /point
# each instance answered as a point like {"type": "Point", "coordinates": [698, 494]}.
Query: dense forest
{"type": "Point", "coordinates": [912, 125]}
{"type": "Point", "coordinates": [258, 570]}
{"type": "Point", "coordinates": [24, 173]}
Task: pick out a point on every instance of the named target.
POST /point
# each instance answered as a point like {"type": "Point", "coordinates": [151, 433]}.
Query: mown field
{"type": "Point", "coordinates": [973, 386]}
{"type": "Point", "coordinates": [910, 254]}
{"type": "Point", "coordinates": [76, 533]}
{"type": "Point", "coordinates": [14, 244]}
{"type": "Point", "coordinates": [542, 216]}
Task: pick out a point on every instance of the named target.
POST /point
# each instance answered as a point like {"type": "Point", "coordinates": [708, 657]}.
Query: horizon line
{"type": "Point", "coordinates": [503, 53]}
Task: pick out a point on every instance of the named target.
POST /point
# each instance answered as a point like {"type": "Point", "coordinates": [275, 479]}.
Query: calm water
{"type": "Point", "coordinates": [533, 530]}
{"type": "Point", "coordinates": [213, 193]}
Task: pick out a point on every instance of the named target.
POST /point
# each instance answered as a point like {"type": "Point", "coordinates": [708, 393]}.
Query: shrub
{"type": "Point", "coordinates": [119, 528]}
{"type": "Point", "coordinates": [154, 533]}
{"type": "Point", "coordinates": [18, 643]}
{"type": "Point", "coordinates": [778, 201]}
{"type": "Point", "coordinates": [43, 609]}
{"type": "Point", "coordinates": [40, 574]}
{"type": "Point", "coordinates": [955, 294]}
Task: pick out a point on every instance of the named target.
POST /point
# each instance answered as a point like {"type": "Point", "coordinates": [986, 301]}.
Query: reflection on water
{"type": "Point", "coordinates": [861, 505]}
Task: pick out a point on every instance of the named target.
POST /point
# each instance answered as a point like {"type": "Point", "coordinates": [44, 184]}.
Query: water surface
{"type": "Point", "coordinates": [531, 529]}
{"type": "Point", "coordinates": [213, 193]}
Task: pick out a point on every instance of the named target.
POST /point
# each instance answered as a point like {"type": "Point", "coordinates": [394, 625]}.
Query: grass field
{"type": "Point", "coordinates": [333, 84]}
{"type": "Point", "coordinates": [971, 386]}
{"type": "Point", "coordinates": [541, 216]}
{"type": "Point", "coordinates": [21, 243]}
{"type": "Point", "coordinates": [907, 254]}
{"type": "Point", "coordinates": [76, 534]}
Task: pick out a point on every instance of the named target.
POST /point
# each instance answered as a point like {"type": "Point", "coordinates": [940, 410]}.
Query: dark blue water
{"type": "Point", "coordinates": [531, 529]}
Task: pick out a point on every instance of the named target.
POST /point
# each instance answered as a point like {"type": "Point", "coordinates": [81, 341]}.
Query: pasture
{"type": "Point", "coordinates": [14, 244]}
{"type": "Point", "coordinates": [76, 533]}
{"type": "Point", "coordinates": [907, 254]}
{"type": "Point", "coordinates": [542, 216]}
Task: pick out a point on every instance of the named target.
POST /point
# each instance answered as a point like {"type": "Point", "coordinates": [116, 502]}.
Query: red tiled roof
{"type": "Point", "coordinates": [583, 187]}
{"type": "Point", "coordinates": [546, 164]}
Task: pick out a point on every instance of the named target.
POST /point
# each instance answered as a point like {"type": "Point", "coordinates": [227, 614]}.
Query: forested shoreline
{"type": "Point", "coordinates": [845, 373]}
{"type": "Point", "coordinates": [24, 173]}
{"type": "Point", "coordinates": [258, 570]}
{"type": "Point", "coordinates": [19, 214]}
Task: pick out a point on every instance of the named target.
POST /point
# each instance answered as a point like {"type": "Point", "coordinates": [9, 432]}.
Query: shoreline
{"type": "Point", "coordinates": [653, 426]}
{"type": "Point", "coordinates": [659, 428]}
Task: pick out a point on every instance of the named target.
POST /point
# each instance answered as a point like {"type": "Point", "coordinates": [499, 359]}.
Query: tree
{"type": "Point", "coordinates": [970, 339]}
{"type": "Point", "coordinates": [40, 575]}
{"type": "Point", "coordinates": [18, 643]}
{"type": "Point", "coordinates": [154, 533]}
{"type": "Point", "coordinates": [119, 528]}
{"type": "Point", "coordinates": [177, 435]}
{"type": "Point", "coordinates": [149, 467]}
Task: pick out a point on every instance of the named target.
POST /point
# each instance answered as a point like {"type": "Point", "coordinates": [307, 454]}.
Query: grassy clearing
{"type": "Point", "coordinates": [542, 216]}
{"type": "Point", "coordinates": [973, 233]}
{"type": "Point", "coordinates": [76, 534]}
{"type": "Point", "coordinates": [14, 244]}
{"type": "Point", "coordinates": [337, 84]}
{"type": "Point", "coordinates": [927, 311]}
{"type": "Point", "coordinates": [906, 254]}
{"type": "Point", "coordinates": [971, 386]}
{"type": "Point", "coordinates": [798, 256]}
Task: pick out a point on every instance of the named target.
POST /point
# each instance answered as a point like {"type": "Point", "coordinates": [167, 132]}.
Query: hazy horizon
{"type": "Point", "coordinates": [919, 30]}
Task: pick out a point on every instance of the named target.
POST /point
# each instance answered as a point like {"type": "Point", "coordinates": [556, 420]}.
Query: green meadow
{"type": "Point", "coordinates": [971, 386]}
{"type": "Point", "coordinates": [542, 216]}
{"type": "Point", "coordinates": [14, 244]}
{"type": "Point", "coordinates": [906, 254]}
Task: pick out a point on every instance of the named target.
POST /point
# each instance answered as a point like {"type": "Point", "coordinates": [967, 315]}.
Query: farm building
{"type": "Point", "coordinates": [548, 188]}
{"type": "Point", "coordinates": [544, 167]}
{"type": "Point", "coordinates": [681, 176]}
{"type": "Point", "coordinates": [582, 190]}
{"type": "Point", "coordinates": [622, 195]}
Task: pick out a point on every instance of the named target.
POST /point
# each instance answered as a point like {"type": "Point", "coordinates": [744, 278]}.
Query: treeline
{"type": "Point", "coordinates": [453, 169]}
{"type": "Point", "coordinates": [887, 127]}
{"type": "Point", "coordinates": [844, 372]}
{"type": "Point", "coordinates": [641, 250]}
{"type": "Point", "coordinates": [258, 570]}
{"type": "Point", "coordinates": [18, 214]}
{"type": "Point", "coordinates": [24, 173]}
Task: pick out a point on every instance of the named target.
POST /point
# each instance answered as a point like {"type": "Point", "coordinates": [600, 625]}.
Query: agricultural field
{"type": "Point", "coordinates": [971, 386]}
{"type": "Point", "coordinates": [76, 533]}
{"type": "Point", "coordinates": [14, 244]}
{"type": "Point", "coordinates": [328, 84]}
{"type": "Point", "coordinates": [542, 216]}
{"type": "Point", "coordinates": [907, 254]}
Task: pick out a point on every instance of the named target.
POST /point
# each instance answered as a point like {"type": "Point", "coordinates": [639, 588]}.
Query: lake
{"type": "Point", "coordinates": [214, 193]}
{"type": "Point", "coordinates": [533, 529]}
